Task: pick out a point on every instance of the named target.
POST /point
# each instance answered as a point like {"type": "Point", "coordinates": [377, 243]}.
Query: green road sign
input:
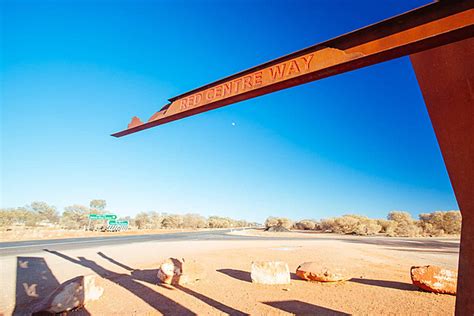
{"type": "Point", "coordinates": [113, 222]}
{"type": "Point", "coordinates": [103, 216]}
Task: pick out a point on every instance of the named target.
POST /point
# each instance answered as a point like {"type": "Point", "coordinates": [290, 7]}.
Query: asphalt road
{"type": "Point", "coordinates": [32, 246]}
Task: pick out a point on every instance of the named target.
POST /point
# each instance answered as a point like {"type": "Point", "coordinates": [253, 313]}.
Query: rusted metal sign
{"type": "Point", "coordinates": [426, 27]}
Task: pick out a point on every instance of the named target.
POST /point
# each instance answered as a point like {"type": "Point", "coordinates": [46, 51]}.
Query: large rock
{"type": "Point", "coordinates": [270, 272]}
{"type": "Point", "coordinates": [72, 294]}
{"type": "Point", "coordinates": [312, 271]}
{"type": "Point", "coordinates": [180, 271]}
{"type": "Point", "coordinates": [434, 279]}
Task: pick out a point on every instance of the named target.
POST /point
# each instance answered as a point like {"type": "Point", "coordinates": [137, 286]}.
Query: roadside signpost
{"type": "Point", "coordinates": [102, 216]}
{"type": "Point", "coordinates": [95, 217]}
{"type": "Point", "coordinates": [114, 225]}
{"type": "Point", "coordinates": [114, 222]}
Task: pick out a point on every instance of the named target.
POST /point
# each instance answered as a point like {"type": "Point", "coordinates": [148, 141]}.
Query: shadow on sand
{"type": "Point", "coordinates": [34, 282]}
{"type": "Point", "coordinates": [302, 308]}
{"type": "Point", "coordinates": [156, 300]}
{"type": "Point", "coordinates": [386, 284]}
{"type": "Point", "coordinates": [237, 274]}
{"type": "Point", "coordinates": [150, 276]}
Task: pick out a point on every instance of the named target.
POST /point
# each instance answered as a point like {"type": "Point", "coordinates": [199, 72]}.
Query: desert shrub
{"type": "Point", "coordinates": [194, 221]}
{"type": "Point", "coordinates": [155, 220]}
{"type": "Point", "coordinates": [327, 225]}
{"type": "Point", "coordinates": [405, 225]}
{"type": "Point", "coordinates": [440, 223]}
{"type": "Point", "coordinates": [142, 220]}
{"type": "Point", "coordinates": [271, 221]}
{"type": "Point", "coordinates": [37, 213]}
{"type": "Point", "coordinates": [305, 224]}
{"type": "Point", "coordinates": [368, 227]}
{"type": "Point", "coordinates": [346, 224]}
{"type": "Point", "coordinates": [387, 227]}
{"type": "Point", "coordinates": [452, 221]}
{"type": "Point", "coordinates": [278, 221]}
{"type": "Point", "coordinates": [172, 221]}
{"type": "Point", "coordinates": [352, 224]}
{"type": "Point", "coordinates": [217, 222]}
{"type": "Point", "coordinates": [11, 216]}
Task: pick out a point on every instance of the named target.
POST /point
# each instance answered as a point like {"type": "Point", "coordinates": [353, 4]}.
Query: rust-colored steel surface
{"type": "Point", "coordinates": [446, 78]}
{"type": "Point", "coordinates": [430, 26]}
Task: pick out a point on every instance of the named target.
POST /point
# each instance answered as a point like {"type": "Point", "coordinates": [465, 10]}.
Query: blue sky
{"type": "Point", "coordinates": [73, 72]}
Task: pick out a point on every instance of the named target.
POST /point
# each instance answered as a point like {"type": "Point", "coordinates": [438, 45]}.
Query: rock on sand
{"type": "Point", "coordinates": [270, 272]}
{"type": "Point", "coordinates": [312, 271]}
{"type": "Point", "coordinates": [180, 271]}
{"type": "Point", "coordinates": [72, 294]}
{"type": "Point", "coordinates": [435, 279]}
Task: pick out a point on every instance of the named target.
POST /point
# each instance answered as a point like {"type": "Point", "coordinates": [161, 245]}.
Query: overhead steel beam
{"type": "Point", "coordinates": [430, 26]}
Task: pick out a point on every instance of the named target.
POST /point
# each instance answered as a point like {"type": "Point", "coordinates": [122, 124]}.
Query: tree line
{"type": "Point", "coordinates": [41, 214]}
{"type": "Point", "coordinates": [397, 223]}
{"type": "Point", "coordinates": [76, 216]}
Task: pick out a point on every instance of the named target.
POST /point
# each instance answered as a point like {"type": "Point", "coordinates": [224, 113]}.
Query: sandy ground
{"type": "Point", "coordinates": [379, 268]}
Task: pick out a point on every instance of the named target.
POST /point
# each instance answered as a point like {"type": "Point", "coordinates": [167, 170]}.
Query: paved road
{"type": "Point", "coordinates": [33, 246]}
{"type": "Point", "coordinates": [23, 247]}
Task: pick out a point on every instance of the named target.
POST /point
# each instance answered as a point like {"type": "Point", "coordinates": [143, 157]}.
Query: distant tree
{"type": "Point", "coordinates": [194, 221]}
{"type": "Point", "coordinates": [387, 227]}
{"type": "Point", "coordinates": [440, 223]}
{"type": "Point", "coordinates": [305, 224]}
{"type": "Point", "coordinates": [278, 221]}
{"type": "Point", "coordinates": [271, 221]}
{"type": "Point", "coordinates": [75, 216]}
{"type": "Point", "coordinates": [142, 220]}
{"type": "Point", "coordinates": [452, 222]}
{"type": "Point", "coordinates": [155, 219]}
{"type": "Point", "coordinates": [219, 222]}
{"type": "Point", "coordinates": [45, 212]}
{"type": "Point", "coordinates": [406, 226]}
{"type": "Point", "coordinates": [98, 205]}
{"type": "Point", "coordinates": [8, 217]}
{"type": "Point", "coordinates": [172, 221]}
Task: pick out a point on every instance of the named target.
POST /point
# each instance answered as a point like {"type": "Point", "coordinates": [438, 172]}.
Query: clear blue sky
{"type": "Point", "coordinates": [73, 72]}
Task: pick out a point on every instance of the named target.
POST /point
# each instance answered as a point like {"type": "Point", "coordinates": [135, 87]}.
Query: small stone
{"type": "Point", "coordinates": [312, 271]}
{"type": "Point", "coordinates": [434, 279]}
{"type": "Point", "coordinates": [175, 271]}
{"type": "Point", "coordinates": [270, 272]}
{"type": "Point", "coordinates": [72, 294]}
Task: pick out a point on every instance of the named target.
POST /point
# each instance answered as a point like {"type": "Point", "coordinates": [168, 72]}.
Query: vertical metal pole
{"type": "Point", "coordinates": [446, 78]}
